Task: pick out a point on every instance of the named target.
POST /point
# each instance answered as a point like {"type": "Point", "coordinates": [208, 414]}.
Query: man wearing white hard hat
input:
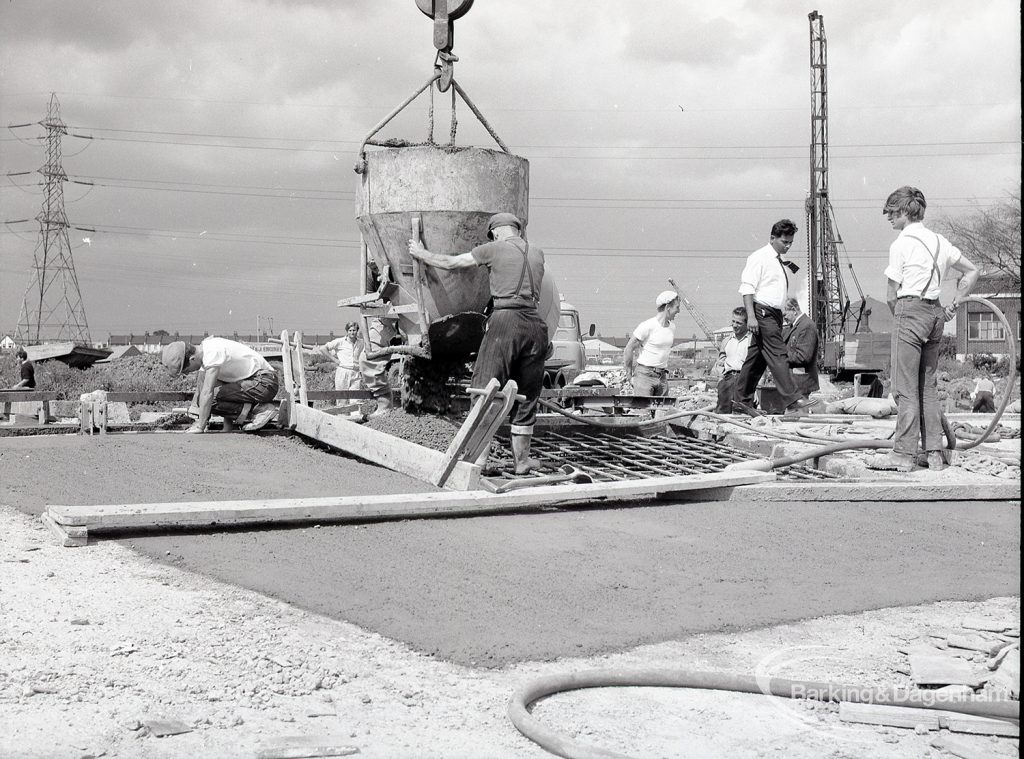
{"type": "Point", "coordinates": [234, 381]}
{"type": "Point", "coordinates": [645, 357]}
{"type": "Point", "coordinates": [515, 344]}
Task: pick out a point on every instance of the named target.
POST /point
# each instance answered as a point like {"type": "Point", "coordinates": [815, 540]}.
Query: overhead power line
{"type": "Point", "coordinates": [321, 140]}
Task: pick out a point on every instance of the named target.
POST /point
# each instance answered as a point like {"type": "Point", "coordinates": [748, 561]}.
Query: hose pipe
{"type": "Point", "coordinates": [767, 465]}
{"type": "Point", "coordinates": [561, 745]}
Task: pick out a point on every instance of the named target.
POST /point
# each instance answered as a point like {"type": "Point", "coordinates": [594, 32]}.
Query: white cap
{"type": "Point", "coordinates": [665, 297]}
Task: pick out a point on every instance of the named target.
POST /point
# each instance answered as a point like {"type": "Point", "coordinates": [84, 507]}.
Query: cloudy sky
{"type": "Point", "coordinates": [210, 145]}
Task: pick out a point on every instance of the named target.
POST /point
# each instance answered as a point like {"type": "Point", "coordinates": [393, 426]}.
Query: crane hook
{"type": "Point", "coordinates": [444, 13]}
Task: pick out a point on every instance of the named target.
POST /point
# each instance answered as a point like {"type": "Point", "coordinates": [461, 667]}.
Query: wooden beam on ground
{"type": "Point", "coordinates": [10, 396]}
{"type": "Point", "coordinates": [335, 395]}
{"type": "Point", "coordinates": [66, 535]}
{"type": "Point", "coordinates": [380, 448]}
{"type": "Point", "coordinates": [150, 396]}
{"type": "Point", "coordinates": [112, 518]}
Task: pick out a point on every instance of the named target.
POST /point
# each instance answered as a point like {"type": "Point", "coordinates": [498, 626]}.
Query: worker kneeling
{"type": "Point", "coordinates": [234, 381]}
{"type": "Point", "coordinates": [516, 341]}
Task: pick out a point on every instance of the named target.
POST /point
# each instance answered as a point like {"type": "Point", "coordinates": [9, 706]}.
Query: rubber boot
{"type": "Point", "coordinates": [521, 454]}
{"type": "Point", "coordinates": [383, 406]}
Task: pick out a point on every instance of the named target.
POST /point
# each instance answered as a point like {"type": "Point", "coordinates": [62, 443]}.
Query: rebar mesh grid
{"type": "Point", "coordinates": [613, 456]}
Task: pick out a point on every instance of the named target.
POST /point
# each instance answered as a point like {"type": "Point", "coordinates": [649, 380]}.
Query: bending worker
{"type": "Point", "coordinates": [918, 260]}
{"type": "Point", "coordinates": [984, 394]}
{"type": "Point", "coordinates": [648, 371]}
{"type": "Point", "coordinates": [764, 286]}
{"type": "Point", "coordinates": [234, 381]}
{"type": "Point", "coordinates": [516, 341]}
{"type": "Point", "coordinates": [801, 347]}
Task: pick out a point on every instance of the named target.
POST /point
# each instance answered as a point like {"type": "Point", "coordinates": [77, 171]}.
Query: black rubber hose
{"type": "Point", "coordinates": [561, 745]}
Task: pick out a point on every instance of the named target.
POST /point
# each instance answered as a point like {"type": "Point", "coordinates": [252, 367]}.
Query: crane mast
{"type": "Point", "coordinates": [828, 303]}
{"type": "Point", "coordinates": [696, 313]}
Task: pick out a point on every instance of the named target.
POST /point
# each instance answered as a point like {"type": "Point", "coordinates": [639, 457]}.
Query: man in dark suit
{"type": "Point", "coordinates": [801, 346]}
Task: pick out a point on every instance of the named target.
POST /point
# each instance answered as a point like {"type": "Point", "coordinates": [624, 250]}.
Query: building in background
{"type": "Point", "coordinates": [978, 330]}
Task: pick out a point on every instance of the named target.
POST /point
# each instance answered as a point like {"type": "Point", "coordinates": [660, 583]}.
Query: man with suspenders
{"type": "Point", "coordinates": [515, 344]}
{"type": "Point", "coordinates": [918, 260]}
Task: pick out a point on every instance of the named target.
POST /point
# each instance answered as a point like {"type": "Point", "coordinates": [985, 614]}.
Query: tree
{"type": "Point", "coordinates": [990, 238]}
{"type": "Point", "coordinates": [161, 332]}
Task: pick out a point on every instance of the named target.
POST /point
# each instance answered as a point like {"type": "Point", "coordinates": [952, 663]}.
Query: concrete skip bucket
{"type": "Point", "coordinates": [453, 191]}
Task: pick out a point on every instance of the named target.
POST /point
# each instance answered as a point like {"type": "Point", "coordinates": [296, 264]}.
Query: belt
{"type": "Point", "coordinates": [731, 372]}
{"type": "Point", "coordinates": [773, 309]}
{"type": "Point", "coordinates": [929, 301]}
{"type": "Point", "coordinates": [513, 302]}
{"type": "Point", "coordinates": [651, 370]}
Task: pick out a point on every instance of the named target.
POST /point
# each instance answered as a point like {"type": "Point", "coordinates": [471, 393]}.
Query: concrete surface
{"type": "Point", "coordinates": [498, 589]}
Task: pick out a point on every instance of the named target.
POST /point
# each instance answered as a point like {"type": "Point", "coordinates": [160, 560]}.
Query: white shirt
{"type": "Point", "coordinates": [910, 261]}
{"type": "Point", "coordinates": [232, 361]}
{"type": "Point", "coordinates": [765, 278]}
{"type": "Point", "coordinates": [343, 351]}
{"type": "Point", "coordinates": [655, 342]}
{"type": "Point", "coordinates": [734, 352]}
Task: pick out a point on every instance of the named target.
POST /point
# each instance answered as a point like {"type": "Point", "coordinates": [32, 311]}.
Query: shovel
{"type": "Point", "coordinates": [566, 473]}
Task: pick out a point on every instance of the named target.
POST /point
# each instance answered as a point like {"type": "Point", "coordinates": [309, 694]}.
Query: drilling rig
{"type": "Point", "coordinates": [842, 348]}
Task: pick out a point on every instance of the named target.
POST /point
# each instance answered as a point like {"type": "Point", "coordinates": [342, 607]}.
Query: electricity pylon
{"type": "Point", "coordinates": [52, 310]}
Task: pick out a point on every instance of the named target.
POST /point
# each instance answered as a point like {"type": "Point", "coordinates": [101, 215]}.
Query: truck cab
{"type": "Point", "coordinates": [568, 356]}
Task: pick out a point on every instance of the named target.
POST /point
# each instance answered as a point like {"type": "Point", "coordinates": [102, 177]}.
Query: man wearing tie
{"type": "Point", "coordinates": [764, 286]}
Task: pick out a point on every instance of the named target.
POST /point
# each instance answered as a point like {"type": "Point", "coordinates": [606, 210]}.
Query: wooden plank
{"type": "Point", "coordinates": [362, 508]}
{"type": "Point", "coordinates": [458, 444]}
{"type": "Point", "coordinates": [943, 669]}
{"type": "Point", "coordinates": [969, 723]}
{"type": "Point", "coordinates": [286, 411]}
{"type": "Point", "coordinates": [986, 624]}
{"type": "Point", "coordinates": [975, 642]}
{"type": "Point", "coordinates": [334, 395]}
{"type": "Point", "coordinates": [67, 536]}
{"type": "Point", "coordinates": [10, 396]}
{"type": "Point", "coordinates": [380, 448]}
{"type": "Point", "coordinates": [149, 396]}
{"type": "Point", "coordinates": [300, 370]}
{"type": "Point", "coordinates": [494, 416]}
{"type": "Point", "coordinates": [893, 716]}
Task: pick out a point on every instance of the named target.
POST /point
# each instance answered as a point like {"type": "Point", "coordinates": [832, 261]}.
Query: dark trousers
{"type": "Point", "coordinates": [767, 349]}
{"type": "Point", "coordinates": [231, 397]}
{"type": "Point", "coordinates": [514, 347]}
{"type": "Point", "coordinates": [915, 357]}
{"type": "Point", "coordinates": [726, 392]}
{"type": "Point", "coordinates": [984, 402]}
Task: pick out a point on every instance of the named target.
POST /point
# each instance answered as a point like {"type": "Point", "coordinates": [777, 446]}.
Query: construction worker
{"type": "Point", "coordinates": [984, 395]}
{"type": "Point", "coordinates": [653, 338]}
{"type": "Point", "coordinates": [26, 371]}
{"type": "Point", "coordinates": [764, 286]}
{"type": "Point", "coordinates": [731, 356]}
{"type": "Point", "coordinates": [918, 261]}
{"type": "Point", "coordinates": [344, 351]}
{"type": "Point", "coordinates": [516, 341]}
{"type": "Point", "coordinates": [801, 346]}
{"type": "Point", "coordinates": [381, 332]}
{"type": "Point", "coordinates": [234, 381]}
